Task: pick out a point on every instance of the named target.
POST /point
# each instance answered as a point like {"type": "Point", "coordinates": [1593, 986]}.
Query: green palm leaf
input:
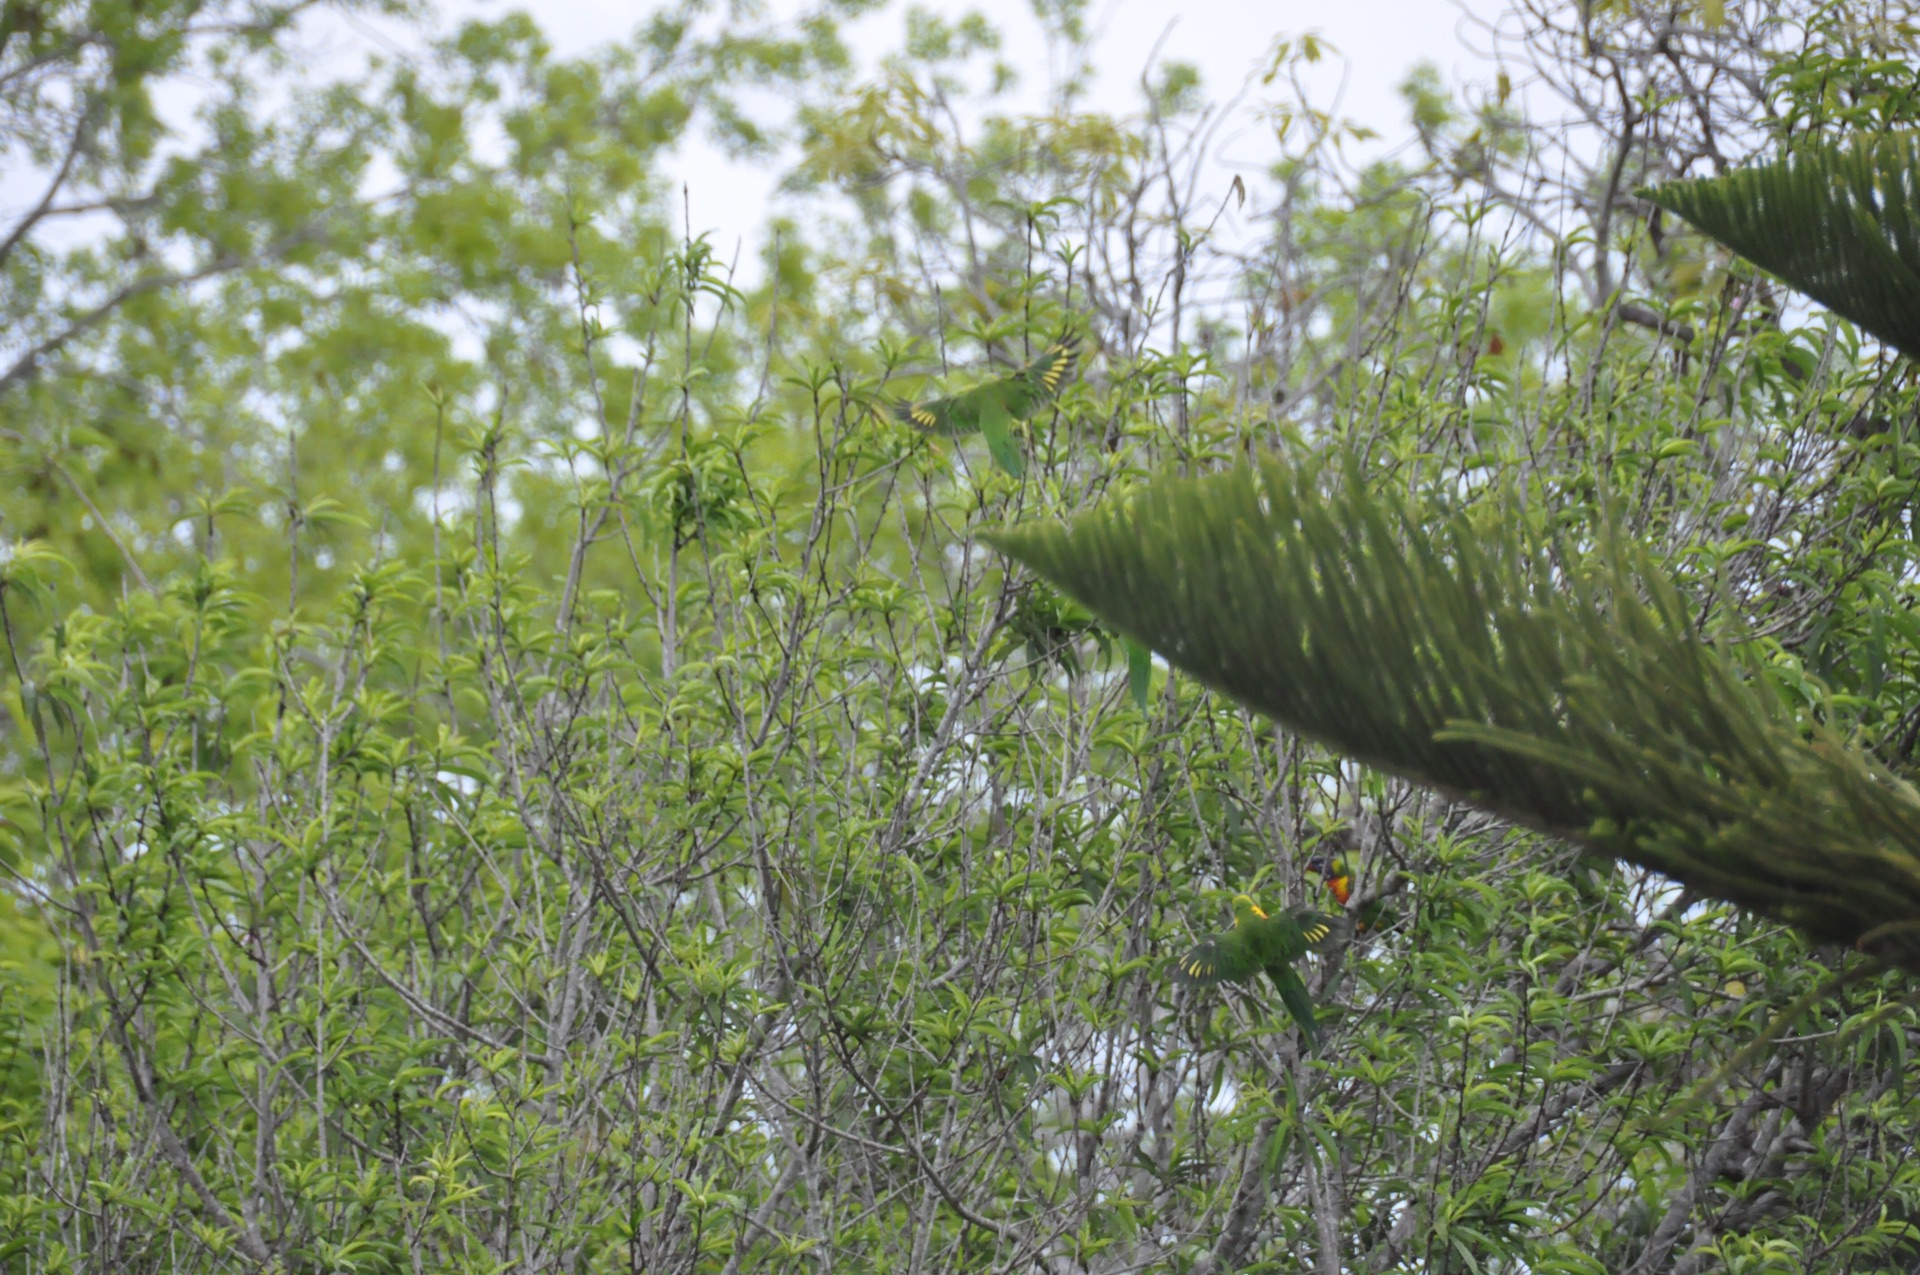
{"type": "Point", "coordinates": [1839, 222]}
{"type": "Point", "coordinates": [1570, 696]}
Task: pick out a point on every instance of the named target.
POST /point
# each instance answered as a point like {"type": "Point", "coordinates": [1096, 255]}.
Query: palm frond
{"type": "Point", "coordinates": [1839, 222]}
{"type": "Point", "coordinates": [1568, 694]}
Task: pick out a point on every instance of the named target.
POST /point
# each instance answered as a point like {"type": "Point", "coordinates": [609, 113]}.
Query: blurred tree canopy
{"type": "Point", "coordinates": [517, 757]}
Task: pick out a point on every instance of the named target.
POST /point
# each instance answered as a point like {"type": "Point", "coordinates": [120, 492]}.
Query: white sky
{"type": "Point", "coordinates": [1376, 41]}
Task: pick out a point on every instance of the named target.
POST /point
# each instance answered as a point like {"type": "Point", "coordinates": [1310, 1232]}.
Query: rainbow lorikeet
{"type": "Point", "coordinates": [992, 408]}
{"type": "Point", "coordinates": [1338, 878]}
{"type": "Point", "coordinates": [1261, 942]}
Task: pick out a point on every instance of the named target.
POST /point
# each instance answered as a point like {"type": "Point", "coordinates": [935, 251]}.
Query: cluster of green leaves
{"type": "Point", "coordinates": [282, 274]}
{"type": "Point", "coordinates": [1847, 74]}
{"type": "Point", "coordinates": [533, 764]}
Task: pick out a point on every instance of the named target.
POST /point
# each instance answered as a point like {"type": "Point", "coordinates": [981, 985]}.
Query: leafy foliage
{"type": "Point", "coordinates": [515, 757]}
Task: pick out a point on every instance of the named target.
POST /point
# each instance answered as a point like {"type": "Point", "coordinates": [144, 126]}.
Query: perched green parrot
{"type": "Point", "coordinates": [1261, 942]}
{"type": "Point", "coordinates": [1338, 877]}
{"type": "Point", "coordinates": [992, 408]}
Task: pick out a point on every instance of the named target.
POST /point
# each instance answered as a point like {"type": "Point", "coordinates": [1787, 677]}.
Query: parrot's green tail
{"type": "Point", "coordinates": [1299, 1002]}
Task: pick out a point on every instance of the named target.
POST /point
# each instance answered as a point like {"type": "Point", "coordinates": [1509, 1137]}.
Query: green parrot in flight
{"type": "Point", "coordinates": [1261, 942]}
{"type": "Point", "coordinates": [992, 408]}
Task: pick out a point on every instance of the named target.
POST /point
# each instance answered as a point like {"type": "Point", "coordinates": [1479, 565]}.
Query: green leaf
{"type": "Point", "coordinates": [1139, 672]}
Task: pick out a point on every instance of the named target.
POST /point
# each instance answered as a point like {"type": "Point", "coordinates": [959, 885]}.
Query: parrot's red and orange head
{"type": "Point", "coordinates": [1333, 870]}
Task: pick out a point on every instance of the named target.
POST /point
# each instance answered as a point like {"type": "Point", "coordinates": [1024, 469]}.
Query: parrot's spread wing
{"type": "Point", "coordinates": [1219, 959]}
{"type": "Point", "coordinates": [1048, 372]}
{"type": "Point", "coordinates": [931, 416]}
{"type": "Point", "coordinates": [1297, 931]}
{"type": "Point", "coordinates": [1294, 995]}
{"type": "Point", "coordinates": [1316, 929]}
